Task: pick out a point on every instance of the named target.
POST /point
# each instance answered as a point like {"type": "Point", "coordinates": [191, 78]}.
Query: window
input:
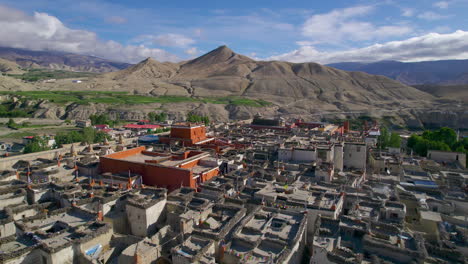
{"type": "Point", "coordinates": [358, 149]}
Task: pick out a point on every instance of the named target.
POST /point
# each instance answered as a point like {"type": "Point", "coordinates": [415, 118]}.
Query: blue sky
{"type": "Point", "coordinates": [293, 30]}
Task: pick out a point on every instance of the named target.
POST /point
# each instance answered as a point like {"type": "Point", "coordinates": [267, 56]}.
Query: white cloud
{"type": "Point", "coordinates": [171, 40]}
{"type": "Point", "coordinates": [192, 51]}
{"type": "Point", "coordinates": [304, 43]}
{"type": "Point", "coordinates": [342, 24]}
{"type": "Point", "coordinates": [432, 46]}
{"type": "Point", "coordinates": [429, 15]}
{"type": "Point", "coordinates": [441, 4]}
{"type": "Point", "coordinates": [116, 20]}
{"type": "Point", "coordinates": [44, 32]}
{"type": "Point", "coordinates": [407, 12]}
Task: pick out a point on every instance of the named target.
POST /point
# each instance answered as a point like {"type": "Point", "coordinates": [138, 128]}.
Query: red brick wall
{"type": "Point", "coordinates": [210, 175]}
{"type": "Point", "coordinates": [193, 153]}
{"type": "Point", "coordinates": [126, 153]}
{"type": "Point", "coordinates": [167, 177]}
{"type": "Point", "coordinates": [154, 175]}
{"type": "Point", "coordinates": [180, 132]}
{"type": "Point", "coordinates": [195, 134]}
{"type": "Point", "coordinates": [190, 164]}
{"type": "Point", "coordinates": [117, 166]}
{"type": "Point", "coordinates": [154, 154]}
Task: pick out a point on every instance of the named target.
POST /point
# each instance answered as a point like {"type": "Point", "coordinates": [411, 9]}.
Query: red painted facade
{"type": "Point", "coordinates": [188, 134]}
{"type": "Point", "coordinates": [154, 174]}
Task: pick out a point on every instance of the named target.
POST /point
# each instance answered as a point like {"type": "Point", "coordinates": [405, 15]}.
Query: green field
{"type": "Point", "coordinates": [34, 75]}
{"type": "Point", "coordinates": [106, 97]}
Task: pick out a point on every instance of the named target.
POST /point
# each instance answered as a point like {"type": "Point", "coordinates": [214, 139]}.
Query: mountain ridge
{"type": "Point", "coordinates": [60, 60]}
{"type": "Point", "coordinates": [222, 72]}
{"type": "Point", "coordinates": [441, 72]}
{"type": "Point", "coordinates": [292, 90]}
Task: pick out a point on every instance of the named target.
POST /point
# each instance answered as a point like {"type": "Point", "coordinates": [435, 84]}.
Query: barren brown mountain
{"type": "Point", "coordinates": [10, 67]}
{"type": "Point", "coordinates": [307, 90]}
{"type": "Point", "coordinates": [222, 72]}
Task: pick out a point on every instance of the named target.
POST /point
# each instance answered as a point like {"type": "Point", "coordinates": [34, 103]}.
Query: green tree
{"type": "Point", "coordinates": [162, 117]}
{"type": "Point", "coordinates": [444, 134]}
{"type": "Point", "coordinates": [11, 123]}
{"type": "Point", "coordinates": [428, 141]}
{"type": "Point", "coordinates": [413, 140]}
{"type": "Point", "coordinates": [157, 117]}
{"type": "Point", "coordinates": [384, 138]}
{"type": "Point", "coordinates": [88, 134]}
{"type": "Point", "coordinates": [198, 119]}
{"type": "Point", "coordinates": [460, 149]}
{"type": "Point", "coordinates": [63, 138]}
{"type": "Point", "coordinates": [36, 145]}
{"type": "Point", "coordinates": [152, 116]}
{"type": "Point", "coordinates": [100, 119]}
{"type": "Point", "coordinates": [395, 140]}
{"type": "Point", "coordinates": [206, 120]}
{"type": "Point", "coordinates": [100, 136]}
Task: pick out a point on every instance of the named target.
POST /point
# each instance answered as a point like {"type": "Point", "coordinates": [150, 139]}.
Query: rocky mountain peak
{"type": "Point", "coordinates": [221, 54]}
{"type": "Point", "coordinates": [147, 68]}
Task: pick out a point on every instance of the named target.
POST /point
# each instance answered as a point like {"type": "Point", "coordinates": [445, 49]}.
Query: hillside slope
{"type": "Point", "coordinates": [295, 90]}
{"type": "Point", "coordinates": [445, 72]}
{"type": "Point", "coordinates": [222, 72]}
{"type": "Point", "coordinates": [60, 60]}
{"type": "Point", "coordinates": [451, 92]}
{"type": "Point", "coordinates": [10, 67]}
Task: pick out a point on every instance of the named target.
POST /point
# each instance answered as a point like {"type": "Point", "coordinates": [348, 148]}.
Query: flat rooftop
{"type": "Point", "coordinates": [140, 157]}
{"type": "Point", "coordinates": [273, 225]}
{"type": "Point", "coordinates": [17, 244]}
{"type": "Point", "coordinates": [73, 218]}
{"type": "Point", "coordinates": [164, 160]}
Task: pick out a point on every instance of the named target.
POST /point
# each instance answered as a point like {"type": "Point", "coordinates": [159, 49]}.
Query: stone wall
{"type": "Point", "coordinates": [8, 162]}
{"type": "Point", "coordinates": [143, 221]}
{"type": "Point", "coordinates": [355, 156]}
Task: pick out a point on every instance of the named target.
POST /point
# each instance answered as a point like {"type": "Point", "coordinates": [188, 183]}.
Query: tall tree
{"type": "Point", "coordinates": [395, 140]}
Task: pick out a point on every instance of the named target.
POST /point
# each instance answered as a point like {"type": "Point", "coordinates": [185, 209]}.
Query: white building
{"type": "Point", "coordinates": [297, 154]}
{"type": "Point", "coordinates": [355, 155]}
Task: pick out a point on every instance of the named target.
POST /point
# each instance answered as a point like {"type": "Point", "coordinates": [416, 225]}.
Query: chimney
{"type": "Point", "coordinates": [222, 249]}
{"type": "Point", "coordinates": [346, 126]}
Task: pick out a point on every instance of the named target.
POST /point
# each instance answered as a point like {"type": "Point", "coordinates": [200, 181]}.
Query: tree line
{"type": "Point", "coordinates": [388, 139]}
{"type": "Point", "coordinates": [86, 135]}
{"type": "Point", "coordinates": [191, 117]}
{"type": "Point", "coordinates": [445, 139]}
{"type": "Point", "coordinates": [157, 117]}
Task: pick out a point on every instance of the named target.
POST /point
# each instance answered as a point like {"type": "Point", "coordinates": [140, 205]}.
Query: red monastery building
{"type": "Point", "coordinates": [187, 134]}
{"type": "Point", "coordinates": [166, 170]}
